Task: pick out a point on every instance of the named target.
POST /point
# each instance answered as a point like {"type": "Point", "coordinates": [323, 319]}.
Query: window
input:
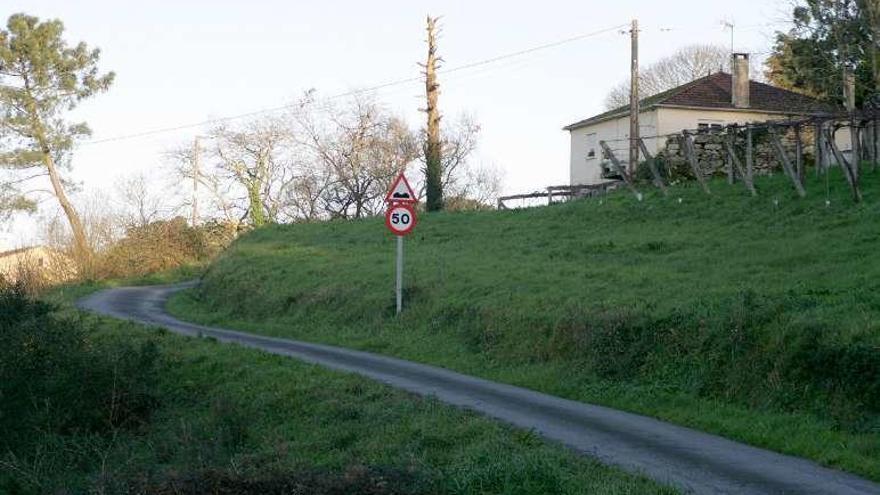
{"type": "Point", "coordinates": [706, 125]}
{"type": "Point", "coordinates": [592, 146]}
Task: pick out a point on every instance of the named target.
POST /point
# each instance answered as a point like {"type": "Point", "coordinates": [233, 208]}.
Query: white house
{"type": "Point", "coordinates": [715, 100]}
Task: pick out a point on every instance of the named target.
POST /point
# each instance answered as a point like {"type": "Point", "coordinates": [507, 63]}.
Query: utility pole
{"type": "Point", "coordinates": [433, 159]}
{"type": "Point", "coordinates": [196, 168]}
{"type": "Point", "coordinates": [634, 98]}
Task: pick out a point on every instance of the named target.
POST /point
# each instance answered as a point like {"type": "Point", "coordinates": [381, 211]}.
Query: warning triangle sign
{"type": "Point", "coordinates": [401, 191]}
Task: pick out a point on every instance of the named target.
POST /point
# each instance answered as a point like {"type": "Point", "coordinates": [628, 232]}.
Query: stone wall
{"type": "Point", "coordinates": [712, 153]}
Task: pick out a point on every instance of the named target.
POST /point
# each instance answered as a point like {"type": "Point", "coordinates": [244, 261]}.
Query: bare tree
{"type": "Point", "coordinates": [465, 185]}
{"type": "Point", "coordinates": [140, 203]}
{"type": "Point", "coordinates": [210, 181]}
{"type": "Point", "coordinates": [304, 198]}
{"type": "Point", "coordinates": [478, 186]}
{"type": "Point", "coordinates": [460, 140]}
{"type": "Point", "coordinates": [102, 226]}
{"type": "Point", "coordinates": [255, 158]}
{"type": "Point", "coordinates": [685, 65]}
{"type": "Point", "coordinates": [360, 147]}
{"type": "Point", "coordinates": [247, 171]}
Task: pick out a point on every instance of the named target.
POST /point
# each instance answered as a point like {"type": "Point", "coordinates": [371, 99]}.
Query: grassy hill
{"type": "Point", "coordinates": [756, 318]}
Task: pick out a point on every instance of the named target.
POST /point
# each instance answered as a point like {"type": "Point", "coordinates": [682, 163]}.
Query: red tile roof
{"type": "Point", "coordinates": [714, 92]}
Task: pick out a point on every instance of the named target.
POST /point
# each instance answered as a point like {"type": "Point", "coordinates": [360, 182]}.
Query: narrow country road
{"type": "Point", "coordinates": [694, 461]}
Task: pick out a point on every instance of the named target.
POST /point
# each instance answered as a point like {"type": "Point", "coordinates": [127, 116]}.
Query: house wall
{"type": "Point", "coordinates": [676, 119]}
{"type": "Point", "coordinates": [584, 169]}
{"type": "Point", "coordinates": [55, 266]}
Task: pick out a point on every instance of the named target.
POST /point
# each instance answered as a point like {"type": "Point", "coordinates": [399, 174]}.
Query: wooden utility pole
{"type": "Point", "coordinates": [195, 172]}
{"type": "Point", "coordinates": [433, 158]}
{"type": "Point", "coordinates": [634, 98]}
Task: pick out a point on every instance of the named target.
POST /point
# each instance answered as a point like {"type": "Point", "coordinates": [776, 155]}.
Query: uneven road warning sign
{"type": "Point", "coordinates": [401, 191]}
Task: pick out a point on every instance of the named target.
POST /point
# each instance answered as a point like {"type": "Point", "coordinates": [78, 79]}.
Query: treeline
{"type": "Point", "coordinates": [322, 161]}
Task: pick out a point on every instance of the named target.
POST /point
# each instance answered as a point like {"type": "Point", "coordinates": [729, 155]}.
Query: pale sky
{"type": "Point", "coordinates": [180, 63]}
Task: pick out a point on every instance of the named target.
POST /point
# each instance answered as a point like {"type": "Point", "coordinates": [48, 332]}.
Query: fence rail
{"type": "Point", "coordinates": [552, 193]}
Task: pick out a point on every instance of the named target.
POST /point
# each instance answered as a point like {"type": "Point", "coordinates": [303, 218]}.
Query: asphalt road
{"type": "Point", "coordinates": [694, 461]}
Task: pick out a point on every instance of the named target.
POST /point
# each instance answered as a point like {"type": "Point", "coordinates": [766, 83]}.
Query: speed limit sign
{"type": "Point", "coordinates": [400, 219]}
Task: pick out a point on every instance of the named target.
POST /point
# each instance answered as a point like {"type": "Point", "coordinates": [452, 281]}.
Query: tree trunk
{"type": "Point", "coordinates": [433, 163]}
{"type": "Point", "coordinates": [82, 251]}
{"type": "Point", "coordinates": [258, 216]}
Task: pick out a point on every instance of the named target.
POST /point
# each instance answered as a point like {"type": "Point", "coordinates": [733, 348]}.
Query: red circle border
{"type": "Point", "coordinates": [412, 213]}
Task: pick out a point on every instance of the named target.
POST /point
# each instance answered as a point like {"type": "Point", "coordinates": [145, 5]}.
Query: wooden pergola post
{"type": "Point", "coordinates": [691, 154]}
{"type": "Point", "coordinates": [786, 164]}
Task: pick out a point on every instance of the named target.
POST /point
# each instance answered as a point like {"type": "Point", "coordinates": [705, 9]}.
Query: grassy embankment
{"type": "Point", "coordinates": [93, 405]}
{"type": "Point", "coordinates": [755, 318]}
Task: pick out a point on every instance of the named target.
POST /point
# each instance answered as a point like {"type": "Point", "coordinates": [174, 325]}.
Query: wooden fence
{"type": "Point", "coordinates": [555, 194]}
{"type": "Point", "coordinates": [864, 129]}
{"type": "Point", "coordinates": [865, 147]}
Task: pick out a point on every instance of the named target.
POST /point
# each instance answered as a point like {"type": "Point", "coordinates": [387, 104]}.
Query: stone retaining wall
{"type": "Point", "coordinates": [712, 154]}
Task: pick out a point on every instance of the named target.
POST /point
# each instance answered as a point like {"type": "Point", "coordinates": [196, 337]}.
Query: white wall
{"type": "Point", "coordinates": [673, 120]}
{"type": "Point", "coordinates": [588, 170]}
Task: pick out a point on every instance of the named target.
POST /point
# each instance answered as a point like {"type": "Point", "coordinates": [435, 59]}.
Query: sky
{"type": "Point", "coordinates": [184, 62]}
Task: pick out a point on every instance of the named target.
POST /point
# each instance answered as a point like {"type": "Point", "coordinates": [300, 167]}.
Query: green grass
{"type": "Point", "coordinates": [229, 412]}
{"type": "Point", "coordinates": [755, 318]}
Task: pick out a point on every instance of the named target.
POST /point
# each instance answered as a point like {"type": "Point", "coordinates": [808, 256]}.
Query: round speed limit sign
{"type": "Point", "coordinates": [400, 219]}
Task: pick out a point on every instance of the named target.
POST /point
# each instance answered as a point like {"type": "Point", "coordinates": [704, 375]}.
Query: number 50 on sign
{"type": "Point", "coordinates": [400, 219]}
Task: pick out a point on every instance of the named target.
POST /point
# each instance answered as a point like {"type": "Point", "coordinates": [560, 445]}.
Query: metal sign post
{"type": "Point", "coordinates": [399, 274]}
{"type": "Point", "coordinates": [400, 219]}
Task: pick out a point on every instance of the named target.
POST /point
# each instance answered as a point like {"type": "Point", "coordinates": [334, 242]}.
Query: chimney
{"type": "Point", "coordinates": [739, 68]}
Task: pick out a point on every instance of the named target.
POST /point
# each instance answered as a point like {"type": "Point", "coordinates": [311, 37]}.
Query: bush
{"type": "Point", "coordinates": [164, 245]}
{"type": "Point", "coordinates": [55, 378]}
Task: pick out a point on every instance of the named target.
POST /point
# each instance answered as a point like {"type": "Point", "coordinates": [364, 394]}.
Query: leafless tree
{"type": "Point", "coordinates": [246, 171]}
{"type": "Point", "coordinates": [464, 184]}
{"type": "Point", "coordinates": [210, 183]}
{"type": "Point", "coordinates": [304, 199]}
{"type": "Point", "coordinates": [359, 147]}
{"type": "Point", "coordinates": [458, 144]}
{"type": "Point", "coordinates": [102, 227]}
{"type": "Point", "coordinates": [140, 202]}
{"type": "Point", "coordinates": [685, 65]}
{"type": "Point", "coordinates": [256, 158]}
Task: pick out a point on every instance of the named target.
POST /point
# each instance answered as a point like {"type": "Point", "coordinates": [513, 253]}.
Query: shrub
{"type": "Point", "coordinates": [164, 245]}
{"type": "Point", "coordinates": [55, 378]}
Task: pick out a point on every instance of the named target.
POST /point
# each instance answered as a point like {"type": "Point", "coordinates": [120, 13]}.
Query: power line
{"type": "Point", "coordinates": [356, 92]}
